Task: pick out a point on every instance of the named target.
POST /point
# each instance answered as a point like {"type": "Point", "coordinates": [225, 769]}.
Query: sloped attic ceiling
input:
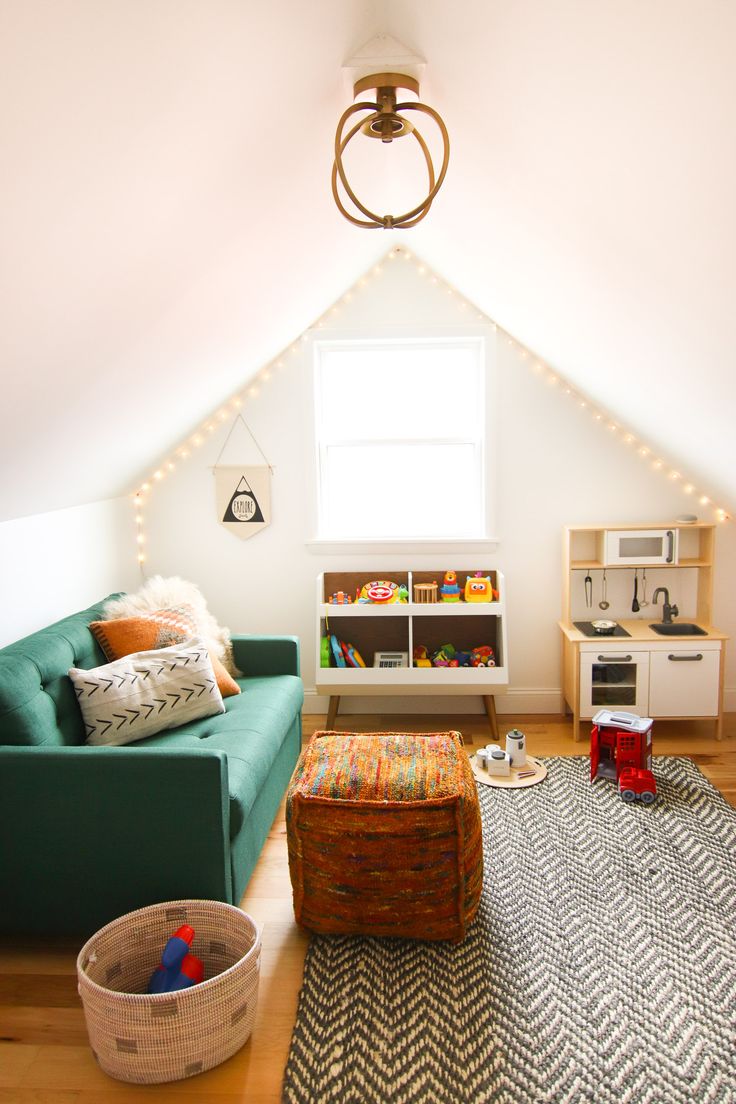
{"type": "Point", "coordinates": [167, 225]}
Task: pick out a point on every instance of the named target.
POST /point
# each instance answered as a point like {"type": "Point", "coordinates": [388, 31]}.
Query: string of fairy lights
{"type": "Point", "coordinates": [190, 445]}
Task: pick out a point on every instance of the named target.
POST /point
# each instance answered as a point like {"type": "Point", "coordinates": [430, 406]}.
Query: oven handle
{"type": "Point", "coordinates": [615, 659]}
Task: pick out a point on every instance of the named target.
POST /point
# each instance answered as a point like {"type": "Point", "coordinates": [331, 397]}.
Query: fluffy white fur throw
{"type": "Point", "coordinates": [159, 593]}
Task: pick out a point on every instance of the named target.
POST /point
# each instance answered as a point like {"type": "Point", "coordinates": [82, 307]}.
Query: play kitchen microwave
{"type": "Point", "coordinates": [640, 547]}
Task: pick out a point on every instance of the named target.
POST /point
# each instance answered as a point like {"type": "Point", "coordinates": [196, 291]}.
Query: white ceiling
{"type": "Point", "coordinates": [166, 224]}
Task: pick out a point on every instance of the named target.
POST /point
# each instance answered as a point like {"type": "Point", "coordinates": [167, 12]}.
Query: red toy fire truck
{"type": "Point", "coordinates": [621, 749]}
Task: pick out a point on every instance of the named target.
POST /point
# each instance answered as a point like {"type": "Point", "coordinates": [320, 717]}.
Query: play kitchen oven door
{"type": "Point", "coordinates": [640, 547]}
{"type": "Point", "coordinates": [613, 677]}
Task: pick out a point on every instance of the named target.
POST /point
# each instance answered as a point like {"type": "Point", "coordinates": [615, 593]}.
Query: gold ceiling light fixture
{"type": "Point", "coordinates": [387, 119]}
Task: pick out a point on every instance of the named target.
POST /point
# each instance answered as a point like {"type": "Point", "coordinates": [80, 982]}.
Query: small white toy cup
{"type": "Point", "coordinates": [499, 763]}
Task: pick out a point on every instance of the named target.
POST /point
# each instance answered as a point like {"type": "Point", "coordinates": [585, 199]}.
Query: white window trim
{"type": "Point", "coordinates": [452, 546]}
{"type": "Point", "coordinates": [382, 546]}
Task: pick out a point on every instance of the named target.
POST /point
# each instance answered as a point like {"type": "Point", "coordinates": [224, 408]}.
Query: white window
{"type": "Point", "coordinates": [400, 430]}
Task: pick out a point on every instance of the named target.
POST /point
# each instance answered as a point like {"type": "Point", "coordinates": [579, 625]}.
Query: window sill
{"type": "Point", "coordinates": [409, 547]}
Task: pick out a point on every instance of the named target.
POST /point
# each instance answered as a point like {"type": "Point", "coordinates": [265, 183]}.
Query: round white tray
{"type": "Point", "coordinates": [511, 781]}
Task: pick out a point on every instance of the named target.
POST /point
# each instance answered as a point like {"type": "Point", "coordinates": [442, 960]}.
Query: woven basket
{"type": "Point", "coordinates": [168, 1036]}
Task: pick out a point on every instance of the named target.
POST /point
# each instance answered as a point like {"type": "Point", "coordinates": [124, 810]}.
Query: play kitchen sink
{"type": "Point", "coordinates": [683, 628]}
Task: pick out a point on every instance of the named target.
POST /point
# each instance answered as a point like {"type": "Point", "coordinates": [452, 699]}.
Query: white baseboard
{"type": "Point", "coordinates": [510, 701]}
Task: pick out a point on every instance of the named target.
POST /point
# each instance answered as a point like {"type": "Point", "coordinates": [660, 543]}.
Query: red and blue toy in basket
{"type": "Point", "coordinates": [179, 969]}
{"type": "Point", "coordinates": [621, 749]}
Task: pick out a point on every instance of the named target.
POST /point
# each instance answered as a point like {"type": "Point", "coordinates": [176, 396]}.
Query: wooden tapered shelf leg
{"type": "Point", "coordinates": [490, 703]}
{"type": "Point", "coordinates": [332, 710]}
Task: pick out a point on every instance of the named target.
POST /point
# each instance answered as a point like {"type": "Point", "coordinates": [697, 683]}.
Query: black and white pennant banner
{"type": "Point", "coordinates": [243, 499]}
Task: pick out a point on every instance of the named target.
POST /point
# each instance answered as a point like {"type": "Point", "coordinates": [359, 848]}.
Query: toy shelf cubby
{"type": "Point", "coordinates": [399, 627]}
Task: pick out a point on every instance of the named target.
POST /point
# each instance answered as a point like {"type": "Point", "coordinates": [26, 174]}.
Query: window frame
{"type": "Point", "coordinates": [482, 338]}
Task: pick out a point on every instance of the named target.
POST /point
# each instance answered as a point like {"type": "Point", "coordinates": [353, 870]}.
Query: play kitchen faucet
{"type": "Point", "coordinates": [668, 611]}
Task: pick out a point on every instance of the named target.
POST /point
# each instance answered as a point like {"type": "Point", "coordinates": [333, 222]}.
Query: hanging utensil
{"type": "Point", "coordinates": [588, 583]}
{"type": "Point", "coordinates": [635, 603]}
{"type": "Point", "coordinates": [604, 603]}
{"type": "Point", "coordinates": [643, 589]}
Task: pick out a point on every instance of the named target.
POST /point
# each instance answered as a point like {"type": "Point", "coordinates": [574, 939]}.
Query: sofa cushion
{"type": "Point", "coordinates": [157, 629]}
{"type": "Point", "coordinates": [146, 692]}
{"type": "Point", "coordinates": [164, 593]}
{"type": "Point", "coordinates": [251, 732]}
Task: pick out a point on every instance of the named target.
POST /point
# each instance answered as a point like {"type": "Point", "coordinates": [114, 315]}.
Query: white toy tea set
{"type": "Point", "coordinates": [495, 766]}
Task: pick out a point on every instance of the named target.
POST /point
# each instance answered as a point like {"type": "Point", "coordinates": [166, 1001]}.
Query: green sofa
{"type": "Point", "coordinates": [88, 833]}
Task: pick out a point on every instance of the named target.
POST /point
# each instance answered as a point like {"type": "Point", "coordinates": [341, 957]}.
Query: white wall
{"type": "Point", "coordinates": [56, 563]}
{"type": "Point", "coordinates": [555, 466]}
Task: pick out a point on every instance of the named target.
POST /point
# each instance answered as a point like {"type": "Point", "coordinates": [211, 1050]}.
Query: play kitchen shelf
{"type": "Point", "coordinates": [611, 573]}
{"type": "Point", "coordinates": [386, 634]}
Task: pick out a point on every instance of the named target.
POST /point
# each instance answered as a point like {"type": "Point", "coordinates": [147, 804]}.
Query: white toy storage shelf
{"type": "Point", "coordinates": [399, 628]}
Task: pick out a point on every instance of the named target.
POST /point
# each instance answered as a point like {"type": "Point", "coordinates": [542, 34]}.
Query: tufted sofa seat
{"type": "Point", "coordinates": [87, 833]}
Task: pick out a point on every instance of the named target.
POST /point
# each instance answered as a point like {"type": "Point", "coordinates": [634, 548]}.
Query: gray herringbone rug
{"type": "Point", "coordinates": [601, 966]}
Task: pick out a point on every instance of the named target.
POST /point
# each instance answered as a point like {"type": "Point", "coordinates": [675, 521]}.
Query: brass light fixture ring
{"type": "Point", "coordinates": [387, 221]}
{"type": "Point", "coordinates": [434, 187]}
{"type": "Point", "coordinates": [337, 167]}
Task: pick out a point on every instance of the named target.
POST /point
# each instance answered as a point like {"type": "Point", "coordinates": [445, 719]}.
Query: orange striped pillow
{"type": "Point", "coordinates": [158, 629]}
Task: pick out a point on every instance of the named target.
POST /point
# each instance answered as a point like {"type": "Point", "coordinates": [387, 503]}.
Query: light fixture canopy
{"type": "Point", "coordinates": [386, 119]}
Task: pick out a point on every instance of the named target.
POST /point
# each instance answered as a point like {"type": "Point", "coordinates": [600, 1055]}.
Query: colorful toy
{"type": "Point", "coordinates": [178, 969]}
{"type": "Point", "coordinates": [324, 652]}
{"type": "Point", "coordinates": [352, 655]}
{"type": "Point", "coordinates": [383, 591]}
{"type": "Point", "coordinates": [482, 656]}
{"type": "Point", "coordinates": [447, 655]}
{"type": "Point", "coordinates": [337, 651]}
{"type": "Point", "coordinates": [478, 588]}
{"type": "Point", "coordinates": [340, 598]}
{"type": "Point", "coordinates": [450, 591]}
{"type": "Point", "coordinates": [621, 742]}
{"type": "Point", "coordinates": [443, 656]}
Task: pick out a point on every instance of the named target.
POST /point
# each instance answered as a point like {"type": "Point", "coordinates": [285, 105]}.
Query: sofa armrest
{"type": "Point", "coordinates": [87, 834]}
{"type": "Point", "coordinates": [266, 655]}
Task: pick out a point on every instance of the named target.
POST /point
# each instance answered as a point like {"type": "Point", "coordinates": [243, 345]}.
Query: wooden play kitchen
{"type": "Point", "coordinates": [636, 629]}
{"type": "Point", "coordinates": [386, 636]}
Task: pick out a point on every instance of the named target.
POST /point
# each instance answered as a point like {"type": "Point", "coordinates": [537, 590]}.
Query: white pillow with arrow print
{"type": "Point", "coordinates": [146, 692]}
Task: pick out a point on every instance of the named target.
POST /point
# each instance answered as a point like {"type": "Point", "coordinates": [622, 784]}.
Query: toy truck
{"type": "Point", "coordinates": [633, 783]}
{"type": "Point", "coordinates": [621, 749]}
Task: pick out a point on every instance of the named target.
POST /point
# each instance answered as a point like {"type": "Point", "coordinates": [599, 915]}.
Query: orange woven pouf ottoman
{"type": "Point", "coordinates": [384, 835]}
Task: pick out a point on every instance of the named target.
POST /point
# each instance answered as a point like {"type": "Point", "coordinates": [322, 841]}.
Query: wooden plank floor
{"type": "Point", "coordinates": [44, 1056]}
